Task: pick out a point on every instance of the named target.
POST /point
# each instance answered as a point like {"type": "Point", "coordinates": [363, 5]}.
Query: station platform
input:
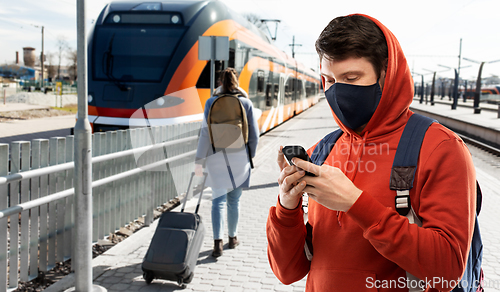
{"type": "Point", "coordinates": [484, 126]}
{"type": "Point", "coordinates": [246, 268]}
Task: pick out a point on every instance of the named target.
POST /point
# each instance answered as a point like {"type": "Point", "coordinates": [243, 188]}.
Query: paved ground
{"type": "Point", "coordinates": [487, 118]}
{"type": "Point", "coordinates": [246, 268]}
{"type": "Point", "coordinates": [15, 106]}
{"type": "Point", "coordinates": [27, 130]}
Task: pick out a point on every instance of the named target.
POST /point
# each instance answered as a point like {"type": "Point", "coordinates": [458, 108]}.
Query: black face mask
{"type": "Point", "coordinates": [354, 105]}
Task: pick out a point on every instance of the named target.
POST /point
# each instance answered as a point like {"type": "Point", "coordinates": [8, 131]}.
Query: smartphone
{"type": "Point", "coordinates": [292, 151]}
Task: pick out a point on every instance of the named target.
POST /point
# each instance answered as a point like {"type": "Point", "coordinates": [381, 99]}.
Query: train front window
{"type": "Point", "coordinates": [133, 53]}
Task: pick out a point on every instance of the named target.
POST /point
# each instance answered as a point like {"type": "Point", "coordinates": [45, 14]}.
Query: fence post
{"type": "Point", "coordinates": [44, 185]}
{"type": "Point", "coordinates": [114, 192]}
{"type": "Point", "coordinates": [35, 216]}
{"type": "Point", "coordinates": [25, 217]}
{"type": "Point", "coordinates": [69, 221]}
{"type": "Point", "coordinates": [4, 170]}
{"type": "Point", "coordinates": [14, 221]}
{"type": "Point", "coordinates": [120, 146]}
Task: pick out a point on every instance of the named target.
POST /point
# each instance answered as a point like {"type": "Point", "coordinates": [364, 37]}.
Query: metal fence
{"type": "Point", "coordinates": [133, 172]}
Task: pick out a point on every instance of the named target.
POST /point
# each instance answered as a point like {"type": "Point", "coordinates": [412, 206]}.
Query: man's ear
{"type": "Point", "coordinates": [382, 79]}
{"type": "Point", "coordinates": [383, 73]}
{"type": "Point", "coordinates": [322, 77]}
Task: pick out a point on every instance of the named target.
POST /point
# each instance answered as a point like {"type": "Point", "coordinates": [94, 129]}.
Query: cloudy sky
{"type": "Point", "coordinates": [428, 30]}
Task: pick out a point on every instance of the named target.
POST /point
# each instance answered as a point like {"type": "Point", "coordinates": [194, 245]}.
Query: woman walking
{"type": "Point", "coordinates": [228, 169]}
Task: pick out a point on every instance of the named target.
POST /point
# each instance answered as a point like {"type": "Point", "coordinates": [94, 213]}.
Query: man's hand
{"type": "Point", "coordinates": [330, 187]}
{"type": "Point", "coordinates": [290, 186]}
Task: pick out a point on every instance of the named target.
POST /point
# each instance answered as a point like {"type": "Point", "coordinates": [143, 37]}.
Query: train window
{"type": "Point", "coordinates": [260, 81]}
{"type": "Point", "coordinates": [289, 91]}
{"type": "Point", "coordinates": [231, 58]}
{"type": "Point", "coordinates": [140, 54]}
{"type": "Point", "coordinates": [204, 80]}
{"type": "Point", "coordinates": [275, 95]}
{"type": "Point", "coordinates": [300, 89]}
{"type": "Point", "coordinates": [269, 88]}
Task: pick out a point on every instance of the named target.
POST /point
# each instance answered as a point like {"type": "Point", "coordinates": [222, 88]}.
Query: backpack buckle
{"type": "Point", "coordinates": [403, 203]}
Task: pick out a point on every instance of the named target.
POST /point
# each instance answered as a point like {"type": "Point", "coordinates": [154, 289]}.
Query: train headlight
{"type": "Point", "coordinates": [160, 101]}
{"type": "Point", "coordinates": [175, 19]}
{"type": "Point", "coordinates": [116, 18]}
{"type": "Point", "coordinates": [90, 98]}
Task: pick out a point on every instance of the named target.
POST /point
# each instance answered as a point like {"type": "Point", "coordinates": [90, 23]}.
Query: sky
{"type": "Point", "coordinates": [429, 31]}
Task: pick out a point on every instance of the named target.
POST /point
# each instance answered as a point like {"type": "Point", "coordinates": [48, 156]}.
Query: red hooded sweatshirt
{"type": "Point", "coordinates": [371, 246]}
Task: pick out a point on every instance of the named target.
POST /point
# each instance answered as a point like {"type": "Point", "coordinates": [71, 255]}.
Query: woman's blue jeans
{"type": "Point", "coordinates": [232, 200]}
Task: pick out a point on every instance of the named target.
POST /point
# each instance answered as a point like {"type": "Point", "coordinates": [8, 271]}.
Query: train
{"type": "Point", "coordinates": [489, 93]}
{"type": "Point", "coordinates": [143, 66]}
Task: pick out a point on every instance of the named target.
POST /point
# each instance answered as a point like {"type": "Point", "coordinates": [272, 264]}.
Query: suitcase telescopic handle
{"type": "Point", "coordinates": [189, 187]}
{"type": "Point", "coordinates": [201, 192]}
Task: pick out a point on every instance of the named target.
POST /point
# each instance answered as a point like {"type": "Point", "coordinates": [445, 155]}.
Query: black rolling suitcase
{"type": "Point", "coordinates": [175, 246]}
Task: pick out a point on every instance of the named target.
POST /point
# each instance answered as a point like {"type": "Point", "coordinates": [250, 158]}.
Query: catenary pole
{"type": "Point", "coordinates": [41, 61]}
{"type": "Point", "coordinates": [83, 169]}
{"type": "Point", "coordinates": [83, 166]}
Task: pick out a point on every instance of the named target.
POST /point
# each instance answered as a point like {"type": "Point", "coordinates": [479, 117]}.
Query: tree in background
{"type": "Point", "coordinates": [72, 58]}
{"type": "Point", "coordinates": [51, 68]}
{"type": "Point", "coordinates": [63, 47]}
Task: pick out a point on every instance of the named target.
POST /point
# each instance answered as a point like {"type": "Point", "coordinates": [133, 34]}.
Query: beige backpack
{"type": "Point", "coordinates": [228, 125]}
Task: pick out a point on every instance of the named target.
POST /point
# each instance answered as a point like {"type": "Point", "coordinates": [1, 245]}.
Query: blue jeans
{"type": "Point", "coordinates": [232, 199]}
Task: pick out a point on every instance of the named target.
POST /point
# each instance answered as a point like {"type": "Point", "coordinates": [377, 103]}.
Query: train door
{"type": "Point", "coordinates": [269, 85]}
{"type": "Point", "coordinates": [281, 97]}
{"type": "Point", "coordinates": [295, 94]}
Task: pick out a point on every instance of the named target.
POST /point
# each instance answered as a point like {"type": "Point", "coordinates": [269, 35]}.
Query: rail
{"type": "Point", "coordinates": [131, 176]}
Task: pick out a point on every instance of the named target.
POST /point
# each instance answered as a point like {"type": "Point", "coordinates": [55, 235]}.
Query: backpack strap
{"type": "Point", "coordinates": [324, 147]}
{"type": "Point", "coordinates": [403, 171]}
{"type": "Point", "coordinates": [318, 157]}
{"type": "Point", "coordinates": [406, 160]}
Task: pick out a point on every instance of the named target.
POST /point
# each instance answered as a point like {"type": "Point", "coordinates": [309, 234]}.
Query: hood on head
{"type": "Point", "coordinates": [397, 94]}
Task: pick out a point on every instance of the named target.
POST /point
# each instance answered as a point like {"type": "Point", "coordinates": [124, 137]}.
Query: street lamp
{"type": "Point", "coordinates": [433, 82]}
{"type": "Point", "coordinates": [422, 89]}
{"type": "Point", "coordinates": [42, 56]}
{"type": "Point", "coordinates": [455, 87]}
{"type": "Point", "coordinates": [477, 95]}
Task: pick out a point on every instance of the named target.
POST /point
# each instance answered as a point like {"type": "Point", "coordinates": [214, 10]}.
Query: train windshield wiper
{"type": "Point", "coordinates": [107, 65]}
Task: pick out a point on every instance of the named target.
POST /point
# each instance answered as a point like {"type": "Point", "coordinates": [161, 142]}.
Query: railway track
{"type": "Point", "coordinates": [485, 147]}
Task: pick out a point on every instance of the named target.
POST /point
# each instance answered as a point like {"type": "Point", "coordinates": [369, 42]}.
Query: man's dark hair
{"type": "Point", "coordinates": [353, 36]}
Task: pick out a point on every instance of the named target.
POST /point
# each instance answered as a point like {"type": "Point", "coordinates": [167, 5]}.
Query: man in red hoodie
{"type": "Point", "coordinates": [358, 240]}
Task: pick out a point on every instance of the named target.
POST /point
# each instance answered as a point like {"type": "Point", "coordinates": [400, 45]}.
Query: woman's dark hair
{"type": "Point", "coordinates": [353, 36]}
{"type": "Point", "coordinates": [229, 80]}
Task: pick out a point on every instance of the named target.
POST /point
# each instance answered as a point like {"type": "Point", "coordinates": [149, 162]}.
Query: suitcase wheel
{"type": "Point", "coordinates": [148, 277]}
{"type": "Point", "coordinates": [189, 278]}
{"type": "Point", "coordinates": [180, 282]}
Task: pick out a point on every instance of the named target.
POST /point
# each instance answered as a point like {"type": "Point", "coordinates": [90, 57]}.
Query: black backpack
{"type": "Point", "coordinates": [402, 176]}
